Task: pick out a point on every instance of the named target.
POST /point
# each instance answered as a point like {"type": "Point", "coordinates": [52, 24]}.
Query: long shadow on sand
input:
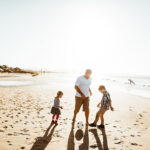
{"type": "Point", "coordinates": [42, 142]}
{"type": "Point", "coordinates": [99, 145]}
{"type": "Point", "coordinates": [79, 135]}
{"type": "Point", "coordinates": [85, 144]}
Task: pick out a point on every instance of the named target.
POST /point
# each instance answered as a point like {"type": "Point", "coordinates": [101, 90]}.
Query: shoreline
{"type": "Point", "coordinates": [43, 78]}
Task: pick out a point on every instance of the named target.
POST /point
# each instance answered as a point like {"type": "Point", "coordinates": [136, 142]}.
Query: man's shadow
{"type": "Point", "coordinates": [85, 144]}
{"type": "Point", "coordinates": [42, 142]}
{"type": "Point", "coordinates": [99, 145]}
{"type": "Point", "coordinates": [71, 144]}
{"type": "Point", "coordinates": [79, 135]}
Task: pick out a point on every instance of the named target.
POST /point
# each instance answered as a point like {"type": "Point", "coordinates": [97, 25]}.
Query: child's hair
{"type": "Point", "coordinates": [59, 93]}
{"type": "Point", "coordinates": [102, 87]}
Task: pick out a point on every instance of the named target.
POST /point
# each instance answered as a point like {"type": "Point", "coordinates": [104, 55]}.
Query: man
{"type": "Point", "coordinates": [83, 93]}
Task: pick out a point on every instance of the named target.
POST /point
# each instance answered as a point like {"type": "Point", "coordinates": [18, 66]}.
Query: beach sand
{"type": "Point", "coordinates": [25, 118]}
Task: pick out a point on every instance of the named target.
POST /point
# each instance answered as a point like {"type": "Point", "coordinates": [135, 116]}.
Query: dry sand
{"type": "Point", "coordinates": [25, 118]}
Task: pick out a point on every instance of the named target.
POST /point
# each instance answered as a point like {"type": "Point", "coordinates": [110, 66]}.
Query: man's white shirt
{"type": "Point", "coordinates": [84, 85]}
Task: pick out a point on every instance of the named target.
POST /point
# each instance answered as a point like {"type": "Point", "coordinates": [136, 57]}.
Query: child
{"type": "Point", "coordinates": [56, 108]}
{"type": "Point", "coordinates": [104, 106]}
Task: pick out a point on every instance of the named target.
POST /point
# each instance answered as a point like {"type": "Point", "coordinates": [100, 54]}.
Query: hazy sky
{"type": "Point", "coordinates": [105, 35]}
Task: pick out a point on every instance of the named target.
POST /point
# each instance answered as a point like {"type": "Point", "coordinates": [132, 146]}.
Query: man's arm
{"type": "Point", "coordinates": [90, 92]}
{"type": "Point", "coordinates": [79, 91]}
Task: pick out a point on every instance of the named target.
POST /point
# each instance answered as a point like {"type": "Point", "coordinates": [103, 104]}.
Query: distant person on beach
{"type": "Point", "coordinates": [83, 93]}
{"type": "Point", "coordinates": [104, 106]}
{"type": "Point", "coordinates": [131, 82]}
{"type": "Point", "coordinates": [56, 108]}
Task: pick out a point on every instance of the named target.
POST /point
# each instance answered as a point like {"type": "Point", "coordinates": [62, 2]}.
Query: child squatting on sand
{"type": "Point", "coordinates": [56, 108]}
{"type": "Point", "coordinates": [104, 106]}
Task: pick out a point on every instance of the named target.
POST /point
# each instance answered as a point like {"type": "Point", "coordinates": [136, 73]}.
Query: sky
{"type": "Point", "coordinates": [108, 36]}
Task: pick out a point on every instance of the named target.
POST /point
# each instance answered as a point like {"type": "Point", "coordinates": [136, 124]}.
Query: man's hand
{"type": "Point", "coordinates": [79, 91]}
{"type": "Point", "coordinates": [111, 108]}
{"type": "Point", "coordinates": [98, 105]}
{"type": "Point", "coordinates": [90, 93]}
{"type": "Point", "coordinates": [82, 96]}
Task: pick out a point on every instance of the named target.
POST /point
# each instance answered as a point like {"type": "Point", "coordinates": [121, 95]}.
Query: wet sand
{"type": "Point", "coordinates": [25, 118]}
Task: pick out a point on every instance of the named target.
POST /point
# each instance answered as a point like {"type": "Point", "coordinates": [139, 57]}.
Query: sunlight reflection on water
{"type": "Point", "coordinates": [14, 83]}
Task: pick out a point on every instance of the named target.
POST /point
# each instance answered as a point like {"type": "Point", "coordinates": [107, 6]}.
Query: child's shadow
{"type": "Point", "coordinates": [99, 145]}
{"type": "Point", "coordinates": [85, 144]}
{"type": "Point", "coordinates": [42, 142]}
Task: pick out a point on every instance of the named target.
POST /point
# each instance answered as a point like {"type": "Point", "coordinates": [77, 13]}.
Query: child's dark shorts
{"type": "Point", "coordinates": [55, 111]}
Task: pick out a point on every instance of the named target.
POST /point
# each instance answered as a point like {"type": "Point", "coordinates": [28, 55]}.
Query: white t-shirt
{"type": "Point", "coordinates": [84, 85]}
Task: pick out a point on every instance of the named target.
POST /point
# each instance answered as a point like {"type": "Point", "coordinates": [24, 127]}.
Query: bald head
{"type": "Point", "coordinates": [88, 73]}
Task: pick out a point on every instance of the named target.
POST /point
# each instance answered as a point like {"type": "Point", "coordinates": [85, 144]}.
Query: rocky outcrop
{"type": "Point", "coordinates": [5, 68]}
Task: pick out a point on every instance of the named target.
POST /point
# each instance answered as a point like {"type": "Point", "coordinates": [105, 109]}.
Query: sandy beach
{"type": "Point", "coordinates": [25, 117]}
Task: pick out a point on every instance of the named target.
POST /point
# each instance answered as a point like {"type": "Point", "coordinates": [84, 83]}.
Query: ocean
{"type": "Point", "coordinates": [136, 85]}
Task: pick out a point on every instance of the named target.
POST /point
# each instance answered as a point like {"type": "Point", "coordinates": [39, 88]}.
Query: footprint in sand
{"type": "Point", "coordinates": [116, 138]}
{"type": "Point", "coordinates": [141, 115]}
{"type": "Point", "coordinates": [135, 144]}
{"type": "Point", "coordinates": [117, 121]}
{"type": "Point", "coordinates": [1, 130]}
{"type": "Point", "coordinates": [107, 124]}
{"type": "Point", "coordinates": [11, 126]}
{"type": "Point", "coordinates": [5, 127]}
{"type": "Point", "coordinates": [135, 124]}
{"type": "Point", "coordinates": [120, 142]}
{"type": "Point", "coordinates": [22, 147]}
{"type": "Point", "coordinates": [124, 136]}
